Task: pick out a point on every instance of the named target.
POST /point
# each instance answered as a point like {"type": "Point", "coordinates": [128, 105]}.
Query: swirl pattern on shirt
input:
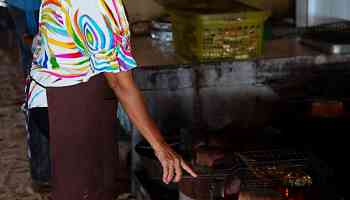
{"type": "Point", "coordinates": [78, 40]}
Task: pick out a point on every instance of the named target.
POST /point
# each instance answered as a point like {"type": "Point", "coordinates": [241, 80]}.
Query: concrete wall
{"type": "Point", "coordinates": [146, 9]}
{"type": "Point", "coordinates": [326, 8]}
{"type": "Point", "coordinates": [143, 9]}
{"type": "Point", "coordinates": [278, 8]}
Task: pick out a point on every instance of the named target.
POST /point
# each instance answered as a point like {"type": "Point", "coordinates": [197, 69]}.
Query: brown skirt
{"type": "Point", "coordinates": [83, 141]}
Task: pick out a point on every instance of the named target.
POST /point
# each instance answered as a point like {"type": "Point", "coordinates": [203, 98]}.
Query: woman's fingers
{"type": "Point", "coordinates": [170, 172]}
{"type": "Point", "coordinates": [173, 165]}
{"type": "Point", "coordinates": [178, 170]}
{"type": "Point", "coordinates": [165, 171]}
{"type": "Point", "coordinates": [188, 169]}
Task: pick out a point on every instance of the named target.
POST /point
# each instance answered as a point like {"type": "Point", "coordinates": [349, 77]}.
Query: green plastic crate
{"type": "Point", "coordinates": [206, 35]}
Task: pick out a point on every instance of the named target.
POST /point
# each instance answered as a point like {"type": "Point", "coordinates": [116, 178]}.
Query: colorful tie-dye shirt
{"type": "Point", "coordinates": [78, 40]}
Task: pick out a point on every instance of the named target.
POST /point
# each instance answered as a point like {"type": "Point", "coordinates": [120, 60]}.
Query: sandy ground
{"type": "Point", "coordinates": [15, 182]}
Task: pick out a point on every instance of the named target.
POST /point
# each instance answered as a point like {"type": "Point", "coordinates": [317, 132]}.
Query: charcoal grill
{"type": "Point", "coordinates": [294, 132]}
{"type": "Point", "coordinates": [250, 168]}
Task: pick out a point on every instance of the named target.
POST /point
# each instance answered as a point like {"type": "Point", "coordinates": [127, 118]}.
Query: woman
{"type": "Point", "coordinates": [84, 60]}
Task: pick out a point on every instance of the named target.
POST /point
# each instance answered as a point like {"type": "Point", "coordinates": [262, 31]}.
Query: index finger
{"type": "Point", "coordinates": [188, 169]}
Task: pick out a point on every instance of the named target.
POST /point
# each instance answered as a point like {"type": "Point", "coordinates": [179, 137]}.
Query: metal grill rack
{"type": "Point", "coordinates": [267, 167]}
{"type": "Point", "coordinates": [274, 157]}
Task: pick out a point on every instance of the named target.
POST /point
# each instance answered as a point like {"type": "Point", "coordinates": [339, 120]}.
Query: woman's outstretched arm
{"type": "Point", "coordinates": [133, 102]}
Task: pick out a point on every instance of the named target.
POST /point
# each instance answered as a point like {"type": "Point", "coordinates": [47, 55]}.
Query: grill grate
{"type": "Point", "coordinates": [270, 168]}
{"type": "Point", "coordinates": [272, 158]}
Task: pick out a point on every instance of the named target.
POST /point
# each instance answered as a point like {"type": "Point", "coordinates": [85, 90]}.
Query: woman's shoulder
{"type": "Point", "coordinates": [93, 4]}
{"type": "Point", "coordinates": [86, 5]}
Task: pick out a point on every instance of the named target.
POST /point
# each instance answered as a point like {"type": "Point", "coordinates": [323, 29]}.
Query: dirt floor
{"type": "Point", "coordinates": [15, 182]}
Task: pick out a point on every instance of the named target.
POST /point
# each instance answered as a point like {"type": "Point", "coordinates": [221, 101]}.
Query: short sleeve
{"type": "Point", "coordinates": [102, 32]}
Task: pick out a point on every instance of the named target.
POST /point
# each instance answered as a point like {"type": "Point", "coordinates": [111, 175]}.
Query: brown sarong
{"type": "Point", "coordinates": [83, 141]}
